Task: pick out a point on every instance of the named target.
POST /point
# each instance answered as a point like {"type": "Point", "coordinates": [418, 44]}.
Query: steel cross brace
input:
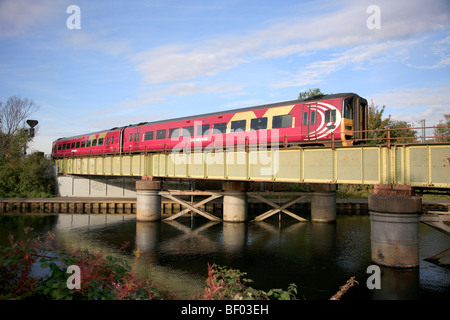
{"type": "Point", "coordinates": [278, 208]}
{"type": "Point", "coordinates": [192, 208]}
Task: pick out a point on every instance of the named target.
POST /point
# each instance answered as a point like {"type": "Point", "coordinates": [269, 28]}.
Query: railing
{"type": "Point", "coordinates": [384, 137]}
{"type": "Point", "coordinates": [392, 136]}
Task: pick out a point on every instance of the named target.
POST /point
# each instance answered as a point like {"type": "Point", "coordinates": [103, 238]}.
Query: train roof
{"type": "Point", "coordinates": [270, 105]}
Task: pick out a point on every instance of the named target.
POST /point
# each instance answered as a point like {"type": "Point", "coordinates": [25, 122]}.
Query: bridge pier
{"type": "Point", "coordinates": [148, 200]}
{"type": "Point", "coordinates": [234, 201]}
{"type": "Point", "coordinates": [323, 203]}
{"type": "Point", "coordinates": [394, 222]}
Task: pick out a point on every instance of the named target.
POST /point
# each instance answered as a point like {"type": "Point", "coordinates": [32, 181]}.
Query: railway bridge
{"type": "Point", "coordinates": [397, 171]}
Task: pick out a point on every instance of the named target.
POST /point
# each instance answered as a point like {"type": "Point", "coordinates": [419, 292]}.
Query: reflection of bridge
{"type": "Point", "coordinates": [396, 171]}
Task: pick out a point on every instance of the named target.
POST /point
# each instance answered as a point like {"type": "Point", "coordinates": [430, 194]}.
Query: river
{"type": "Point", "coordinates": [317, 257]}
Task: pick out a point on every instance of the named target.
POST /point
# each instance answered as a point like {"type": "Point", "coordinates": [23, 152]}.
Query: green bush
{"type": "Point", "coordinates": [28, 177]}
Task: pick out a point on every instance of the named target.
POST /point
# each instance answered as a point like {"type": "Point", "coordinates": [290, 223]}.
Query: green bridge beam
{"type": "Point", "coordinates": [413, 165]}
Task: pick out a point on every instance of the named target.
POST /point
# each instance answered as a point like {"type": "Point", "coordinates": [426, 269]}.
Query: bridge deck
{"type": "Point", "coordinates": [413, 165]}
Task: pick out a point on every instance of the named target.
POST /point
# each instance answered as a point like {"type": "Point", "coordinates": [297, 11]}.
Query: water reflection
{"type": "Point", "coordinates": [318, 257]}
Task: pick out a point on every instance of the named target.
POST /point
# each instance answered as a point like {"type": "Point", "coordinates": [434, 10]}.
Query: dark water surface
{"type": "Point", "coordinates": [318, 257]}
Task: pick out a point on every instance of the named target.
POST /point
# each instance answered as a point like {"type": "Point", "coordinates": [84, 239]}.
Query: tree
{"type": "Point", "coordinates": [398, 129]}
{"type": "Point", "coordinates": [443, 132]}
{"type": "Point", "coordinates": [310, 93]}
{"type": "Point", "coordinates": [13, 135]}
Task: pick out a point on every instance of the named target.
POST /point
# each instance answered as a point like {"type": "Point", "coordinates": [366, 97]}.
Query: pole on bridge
{"type": "Point", "coordinates": [235, 201]}
{"type": "Point", "coordinates": [323, 202]}
{"type": "Point", "coordinates": [148, 200]}
{"type": "Point", "coordinates": [394, 222]}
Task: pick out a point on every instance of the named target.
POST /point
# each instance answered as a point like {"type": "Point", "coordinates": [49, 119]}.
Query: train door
{"type": "Point", "coordinates": [133, 138]}
{"type": "Point", "coordinates": [309, 122]}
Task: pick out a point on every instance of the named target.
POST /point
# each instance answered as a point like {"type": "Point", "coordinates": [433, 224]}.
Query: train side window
{"type": "Point", "coordinates": [258, 124]}
{"type": "Point", "coordinates": [83, 144]}
{"type": "Point", "coordinates": [72, 145]}
{"type": "Point", "coordinates": [131, 137]}
{"type": "Point", "coordinates": [313, 117]}
{"type": "Point", "coordinates": [220, 128]}
{"type": "Point", "coordinates": [174, 133]}
{"type": "Point", "coordinates": [112, 140]}
{"type": "Point", "coordinates": [283, 121]}
{"type": "Point", "coordinates": [94, 142]}
{"type": "Point", "coordinates": [330, 116]}
{"type": "Point", "coordinates": [100, 141]}
{"type": "Point", "coordinates": [108, 140]}
{"type": "Point", "coordinates": [202, 129]}
{"type": "Point", "coordinates": [148, 135]}
{"type": "Point", "coordinates": [78, 144]}
{"type": "Point", "coordinates": [161, 134]}
{"type": "Point", "coordinates": [187, 132]}
{"type": "Point", "coordinates": [305, 118]}
{"type": "Point", "coordinates": [136, 136]}
{"type": "Point", "coordinates": [64, 146]}
{"type": "Point", "coordinates": [238, 126]}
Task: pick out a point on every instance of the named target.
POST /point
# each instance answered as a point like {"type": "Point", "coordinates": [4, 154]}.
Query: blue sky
{"type": "Point", "coordinates": [134, 61]}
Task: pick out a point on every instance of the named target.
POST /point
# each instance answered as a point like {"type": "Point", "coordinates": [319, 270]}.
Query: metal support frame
{"type": "Point", "coordinates": [189, 207]}
{"type": "Point", "coordinates": [278, 208]}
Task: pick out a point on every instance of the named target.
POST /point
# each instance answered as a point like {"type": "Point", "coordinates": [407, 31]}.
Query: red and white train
{"type": "Point", "coordinates": [298, 122]}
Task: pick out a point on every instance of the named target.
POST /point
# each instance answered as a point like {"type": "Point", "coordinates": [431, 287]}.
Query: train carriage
{"type": "Point", "coordinates": [312, 121]}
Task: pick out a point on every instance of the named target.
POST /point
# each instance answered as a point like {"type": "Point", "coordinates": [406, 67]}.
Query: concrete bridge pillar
{"type": "Point", "coordinates": [235, 201]}
{"type": "Point", "coordinates": [323, 203]}
{"type": "Point", "coordinates": [148, 200]}
{"type": "Point", "coordinates": [394, 223]}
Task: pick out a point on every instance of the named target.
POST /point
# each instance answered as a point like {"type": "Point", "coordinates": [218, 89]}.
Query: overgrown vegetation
{"type": "Point", "coordinates": [21, 175]}
{"type": "Point", "coordinates": [27, 177]}
{"type": "Point", "coordinates": [106, 277]}
{"type": "Point", "coordinates": [103, 278]}
{"type": "Point", "coordinates": [225, 283]}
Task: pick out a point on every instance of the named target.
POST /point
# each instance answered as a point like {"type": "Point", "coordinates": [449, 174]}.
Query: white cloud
{"type": "Point", "coordinates": [427, 103]}
{"type": "Point", "coordinates": [18, 17]}
{"type": "Point", "coordinates": [358, 57]}
{"type": "Point", "coordinates": [84, 41]}
{"type": "Point", "coordinates": [297, 36]}
{"type": "Point", "coordinates": [153, 95]}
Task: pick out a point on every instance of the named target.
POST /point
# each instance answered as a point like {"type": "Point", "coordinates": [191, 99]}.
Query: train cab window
{"type": "Point", "coordinates": [348, 108]}
{"type": "Point", "coordinates": [313, 118]}
{"type": "Point", "coordinates": [202, 130]}
{"type": "Point", "coordinates": [258, 124]}
{"type": "Point", "coordinates": [330, 116]}
{"type": "Point", "coordinates": [83, 144]}
{"type": "Point", "coordinates": [187, 131]}
{"type": "Point", "coordinates": [94, 142]}
{"type": "Point", "coordinates": [283, 121]}
{"type": "Point", "coordinates": [161, 134]}
{"type": "Point", "coordinates": [174, 133]}
{"type": "Point", "coordinates": [238, 126]}
{"type": "Point", "coordinates": [148, 135]}
{"type": "Point", "coordinates": [100, 141]}
{"type": "Point", "coordinates": [220, 128]}
{"type": "Point", "coordinates": [78, 144]}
